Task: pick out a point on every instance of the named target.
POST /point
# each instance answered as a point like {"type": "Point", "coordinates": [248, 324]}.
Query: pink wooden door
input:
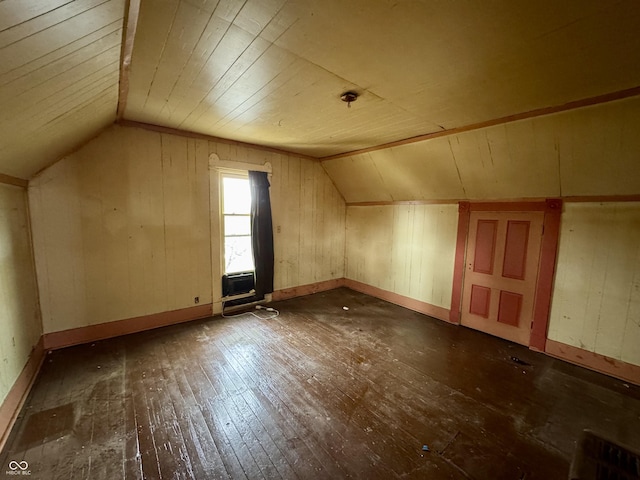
{"type": "Point", "coordinates": [503, 251]}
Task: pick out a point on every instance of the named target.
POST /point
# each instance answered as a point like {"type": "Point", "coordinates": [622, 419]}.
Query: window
{"type": "Point", "coordinates": [236, 212]}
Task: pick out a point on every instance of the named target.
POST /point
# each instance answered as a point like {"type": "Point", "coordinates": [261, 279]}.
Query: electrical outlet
{"type": "Point", "coordinates": [196, 299]}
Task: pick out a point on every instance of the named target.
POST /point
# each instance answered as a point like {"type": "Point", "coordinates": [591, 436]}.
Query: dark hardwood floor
{"type": "Point", "coordinates": [317, 393]}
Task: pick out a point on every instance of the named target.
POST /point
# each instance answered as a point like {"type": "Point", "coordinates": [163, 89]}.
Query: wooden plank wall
{"type": "Point", "coordinates": [409, 249]}
{"type": "Point", "coordinates": [405, 249]}
{"type": "Point", "coordinates": [308, 219]}
{"type": "Point", "coordinates": [107, 222]}
{"type": "Point", "coordinates": [121, 227]}
{"type": "Point", "coordinates": [587, 151]}
{"type": "Point", "coordinates": [596, 302]}
{"type": "Point", "coordinates": [19, 316]}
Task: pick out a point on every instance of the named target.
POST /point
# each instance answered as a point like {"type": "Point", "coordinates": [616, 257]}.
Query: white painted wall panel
{"type": "Point", "coordinates": [19, 316]}
{"type": "Point", "coordinates": [405, 249]}
{"type": "Point", "coordinates": [121, 227]}
{"type": "Point", "coordinates": [596, 299]}
{"type": "Point", "coordinates": [57, 240]}
{"type": "Point", "coordinates": [599, 148]}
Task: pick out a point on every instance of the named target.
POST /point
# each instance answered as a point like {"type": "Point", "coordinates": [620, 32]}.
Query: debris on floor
{"type": "Point", "coordinates": [425, 448]}
{"type": "Point", "coordinates": [519, 362]}
{"type": "Point", "coordinates": [345, 308]}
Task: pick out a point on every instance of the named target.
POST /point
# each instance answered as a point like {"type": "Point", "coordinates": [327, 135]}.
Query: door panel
{"type": "Point", "coordinates": [503, 251]}
{"type": "Point", "coordinates": [485, 246]}
{"type": "Point", "coordinates": [509, 308]}
{"type": "Point", "coordinates": [515, 249]}
{"type": "Point", "coordinates": [480, 301]}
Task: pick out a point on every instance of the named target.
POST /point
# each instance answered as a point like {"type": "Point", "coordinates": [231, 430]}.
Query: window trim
{"type": "Point", "coordinates": [216, 168]}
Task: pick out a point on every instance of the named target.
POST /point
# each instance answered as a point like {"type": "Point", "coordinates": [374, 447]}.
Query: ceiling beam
{"type": "Point", "coordinates": [132, 12]}
{"type": "Point", "coordinates": [210, 138]}
{"type": "Point", "coordinates": [9, 180]}
{"type": "Point", "coordinates": [453, 201]}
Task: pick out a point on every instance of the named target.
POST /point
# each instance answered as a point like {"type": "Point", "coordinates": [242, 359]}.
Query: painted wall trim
{"type": "Point", "coordinates": [419, 306]}
{"type": "Point", "coordinates": [201, 136]}
{"type": "Point", "coordinates": [594, 361]}
{"type": "Point", "coordinates": [539, 112]}
{"type": "Point", "coordinates": [216, 164]}
{"type": "Point", "coordinates": [407, 302]}
{"type": "Point", "coordinates": [464, 214]}
{"type": "Point", "coordinates": [308, 289]}
{"type": "Point", "coordinates": [15, 181]}
{"type": "Point", "coordinates": [510, 206]}
{"type": "Point", "coordinates": [546, 274]}
{"type": "Point", "coordinates": [404, 202]}
{"type": "Point", "coordinates": [446, 201]}
{"type": "Point", "coordinates": [102, 331]}
{"type": "Point", "coordinates": [12, 405]}
{"type": "Point", "coordinates": [602, 198]}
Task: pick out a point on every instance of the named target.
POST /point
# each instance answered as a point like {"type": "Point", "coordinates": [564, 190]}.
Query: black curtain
{"type": "Point", "coordinates": [261, 232]}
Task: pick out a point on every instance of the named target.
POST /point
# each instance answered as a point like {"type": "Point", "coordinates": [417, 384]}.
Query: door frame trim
{"type": "Point", "coordinates": [552, 208]}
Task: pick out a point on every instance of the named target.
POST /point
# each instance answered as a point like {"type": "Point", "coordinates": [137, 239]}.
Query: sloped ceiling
{"type": "Point", "coordinates": [59, 71]}
{"type": "Point", "coordinates": [589, 151]}
{"type": "Point", "coordinates": [271, 72]}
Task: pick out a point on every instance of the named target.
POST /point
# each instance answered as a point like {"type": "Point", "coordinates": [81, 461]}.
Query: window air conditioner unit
{"type": "Point", "coordinates": [235, 284]}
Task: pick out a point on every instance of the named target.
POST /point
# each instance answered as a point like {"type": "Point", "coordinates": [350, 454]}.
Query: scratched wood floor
{"type": "Point", "coordinates": [318, 392]}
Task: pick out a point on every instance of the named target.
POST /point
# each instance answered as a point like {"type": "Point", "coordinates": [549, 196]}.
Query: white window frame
{"type": "Point", "coordinates": [217, 169]}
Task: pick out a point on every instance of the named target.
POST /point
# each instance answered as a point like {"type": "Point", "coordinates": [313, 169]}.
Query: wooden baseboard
{"type": "Point", "coordinates": [594, 361]}
{"type": "Point", "coordinates": [12, 404]}
{"type": "Point", "coordinates": [411, 303]}
{"type": "Point", "coordinates": [102, 331]}
{"type": "Point", "coordinates": [407, 302]}
{"type": "Point", "coordinates": [309, 289]}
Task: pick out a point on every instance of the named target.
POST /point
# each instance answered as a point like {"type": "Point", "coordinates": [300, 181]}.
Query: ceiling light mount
{"type": "Point", "coordinates": [349, 97]}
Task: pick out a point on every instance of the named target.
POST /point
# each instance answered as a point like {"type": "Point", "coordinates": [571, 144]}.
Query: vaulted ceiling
{"type": "Point", "coordinates": [59, 70]}
{"type": "Point", "coordinates": [271, 72]}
